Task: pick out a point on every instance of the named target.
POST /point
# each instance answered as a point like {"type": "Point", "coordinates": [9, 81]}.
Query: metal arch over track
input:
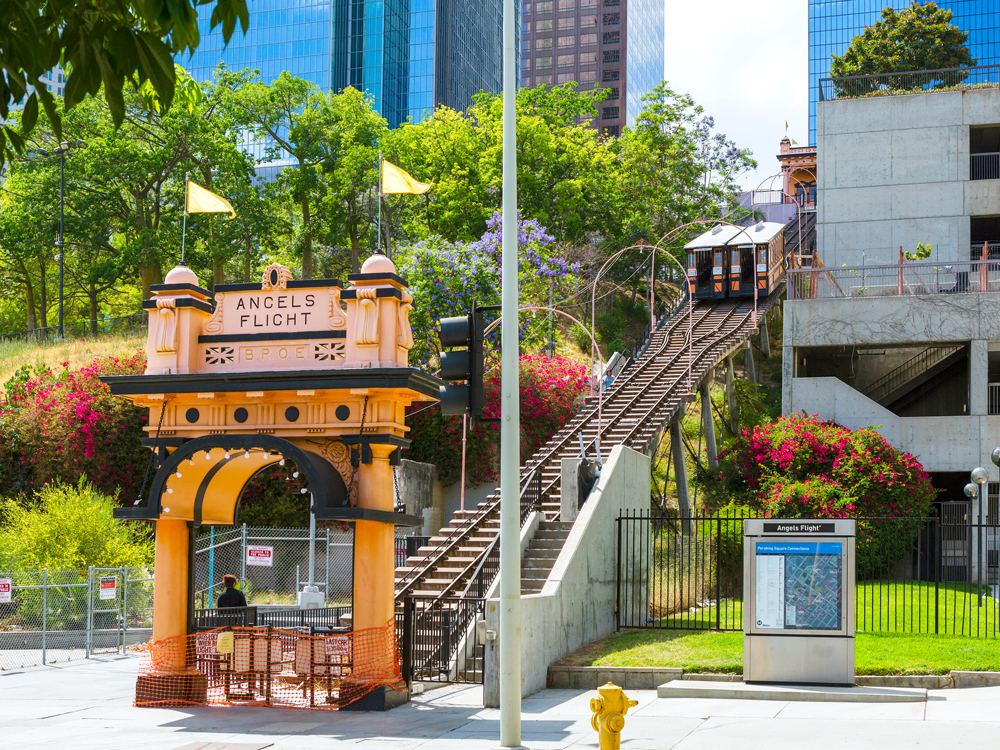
{"type": "Point", "coordinates": [643, 399]}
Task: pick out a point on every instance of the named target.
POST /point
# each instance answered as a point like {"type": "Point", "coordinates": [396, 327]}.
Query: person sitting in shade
{"type": "Point", "coordinates": [231, 597]}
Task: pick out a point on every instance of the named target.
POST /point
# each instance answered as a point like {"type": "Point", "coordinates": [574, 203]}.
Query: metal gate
{"type": "Point", "coordinates": [441, 639]}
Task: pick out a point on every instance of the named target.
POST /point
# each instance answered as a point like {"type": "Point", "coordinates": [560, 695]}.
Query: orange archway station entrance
{"type": "Point", "coordinates": [282, 371]}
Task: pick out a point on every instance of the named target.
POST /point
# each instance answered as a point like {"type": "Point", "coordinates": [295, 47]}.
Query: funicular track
{"type": "Point", "coordinates": [462, 560]}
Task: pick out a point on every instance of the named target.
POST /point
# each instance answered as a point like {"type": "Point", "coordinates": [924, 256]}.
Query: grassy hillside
{"type": "Point", "coordinates": [15, 354]}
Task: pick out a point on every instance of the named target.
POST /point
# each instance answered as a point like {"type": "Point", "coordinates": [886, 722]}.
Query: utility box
{"type": "Point", "coordinates": [798, 601]}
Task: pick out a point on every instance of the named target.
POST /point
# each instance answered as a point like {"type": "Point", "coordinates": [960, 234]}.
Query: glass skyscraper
{"type": "Point", "coordinates": [612, 44]}
{"type": "Point", "coordinates": [834, 23]}
{"type": "Point", "coordinates": [408, 55]}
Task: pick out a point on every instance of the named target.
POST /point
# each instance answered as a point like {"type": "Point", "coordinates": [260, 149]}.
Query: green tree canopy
{"type": "Point", "coordinates": [919, 37]}
{"type": "Point", "coordinates": [100, 45]}
{"type": "Point", "coordinates": [72, 527]}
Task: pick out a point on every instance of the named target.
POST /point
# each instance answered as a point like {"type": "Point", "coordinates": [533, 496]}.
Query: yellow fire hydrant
{"type": "Point", "coordinates": [609, 715]}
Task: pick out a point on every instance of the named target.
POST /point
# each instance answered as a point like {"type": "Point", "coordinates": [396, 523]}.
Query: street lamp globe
{"type": "Point", "coordinates": [971, 491]}
{"type": "Point", "coordinates": [980, 475]}
{"type": "Point", "coordinates": [996, 456]}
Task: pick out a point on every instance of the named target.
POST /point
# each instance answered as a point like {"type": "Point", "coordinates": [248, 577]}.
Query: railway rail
{"type": "Point", "coordinates": [637, 407]}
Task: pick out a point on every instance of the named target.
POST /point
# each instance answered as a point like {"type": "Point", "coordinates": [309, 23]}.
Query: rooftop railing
{"type": "Point", "coordinates": [912, 82]}
{"type": "Point", "coordinates": [958, 277]}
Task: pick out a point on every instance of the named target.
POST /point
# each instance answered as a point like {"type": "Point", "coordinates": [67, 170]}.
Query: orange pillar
{"type": "Point", "coordinates": [374, 545]}
{"type": "Point", "coordinates": [170, 585]}
{"type": "Point", "coordinates": [374, 564]}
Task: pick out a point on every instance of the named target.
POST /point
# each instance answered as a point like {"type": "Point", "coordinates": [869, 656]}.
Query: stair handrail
{"type": "Point", "coordinates": [528, 504]}
{"type": "Point", "coordinates": [457, 536]}
{"type": "Point", "coordinates": [893, 379]}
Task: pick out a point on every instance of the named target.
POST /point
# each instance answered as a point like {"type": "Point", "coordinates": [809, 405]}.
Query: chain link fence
{"type": "Point", "coordinates": [54, 616]}
{"type": "Point", "coordinates": [272, 565]}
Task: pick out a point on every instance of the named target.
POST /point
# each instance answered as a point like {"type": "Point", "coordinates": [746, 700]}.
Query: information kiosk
{"type": "Point", "coordinates": [798, 593]}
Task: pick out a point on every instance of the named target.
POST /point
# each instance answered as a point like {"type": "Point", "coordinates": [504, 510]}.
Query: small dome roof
{"type": "Point", "coordinates": [181, 274]}
{"type": "Point", "coordinates": [378, 263]}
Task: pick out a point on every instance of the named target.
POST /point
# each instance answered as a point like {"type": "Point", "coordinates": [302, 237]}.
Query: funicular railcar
{"type": "Point", "coordinates": [707, 259]}
{"type": "Point", "coordinates": [727, 262]}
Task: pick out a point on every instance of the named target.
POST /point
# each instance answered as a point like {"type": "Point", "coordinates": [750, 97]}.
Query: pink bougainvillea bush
{"type": "Point", "coordinates": [552, 389]}
{"type": "Point", "coordinates": [805, 467]}
{"type": "Point", "coordinates": [65, 424]}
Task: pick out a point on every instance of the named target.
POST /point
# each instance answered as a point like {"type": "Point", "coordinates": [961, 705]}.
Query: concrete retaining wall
{"type": "Point", "coordinates": [577, 604]}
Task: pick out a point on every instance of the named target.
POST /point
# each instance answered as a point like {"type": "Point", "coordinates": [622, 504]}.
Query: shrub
{"type": "Point", "coordinates": [71, 528]}
{"type": "Point", "coordinates": [62, 426]}
{"type": "Point", "coordinates": [803, 467]}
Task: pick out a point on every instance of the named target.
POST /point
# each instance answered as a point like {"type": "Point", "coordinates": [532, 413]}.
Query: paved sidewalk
{"type": "Point", "coordinates": [84, 706]}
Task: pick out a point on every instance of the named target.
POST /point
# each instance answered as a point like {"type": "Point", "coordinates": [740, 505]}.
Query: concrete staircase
{"type": "Point", "coordinates": [541, 554]}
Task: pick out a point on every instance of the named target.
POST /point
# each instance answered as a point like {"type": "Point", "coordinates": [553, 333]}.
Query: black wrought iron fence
{"type": "Point", "coordinates": [914, 575]}
{"type": "Point", "coordinates": [440, 639]}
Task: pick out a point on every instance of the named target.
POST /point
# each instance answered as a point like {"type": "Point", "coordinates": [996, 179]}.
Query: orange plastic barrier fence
{"type": "Point", "coordinates": [266, 666]}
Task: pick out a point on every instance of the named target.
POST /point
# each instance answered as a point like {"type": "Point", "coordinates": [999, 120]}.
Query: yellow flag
{"type": "Point", "coordinates": [202, 201]}
{"type": "Point", "coordinates": [396, 180]}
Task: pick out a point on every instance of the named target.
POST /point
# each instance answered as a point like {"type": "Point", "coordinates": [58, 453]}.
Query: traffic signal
{"type": "Point", "coordinates": [462, 364]}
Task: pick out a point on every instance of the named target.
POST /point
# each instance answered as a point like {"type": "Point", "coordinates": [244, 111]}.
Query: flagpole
{"type": "Point", "coordinates": [379, 246]}
{"type": "Point", "coordinates": [187, 181]}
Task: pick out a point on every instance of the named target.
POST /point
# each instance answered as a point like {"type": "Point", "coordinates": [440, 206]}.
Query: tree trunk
{"type": "Point", "coordinates": [92, 296]}
{"type": "Point", "coordinates": [218, 274]}
{"type": "Point", "coordinates": [43, 298]}
{"type": "Point", "coordinates": [150, 273]}
{"type": "Point", "coordinates": [307, 251]}
{"type": "Point", "coordinates": [29, 301]}
{"type": "Point", "coordinates": [246, 268]}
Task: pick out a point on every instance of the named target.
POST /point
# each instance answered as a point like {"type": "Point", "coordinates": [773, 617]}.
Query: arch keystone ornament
{"type": "Point", "coordinates": [275, 373]}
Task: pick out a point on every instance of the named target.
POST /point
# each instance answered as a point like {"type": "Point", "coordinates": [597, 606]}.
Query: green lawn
{"type": "Point", "coordinates": [882, 608]}
{"type": "Point", "coordinates": [875, 653]}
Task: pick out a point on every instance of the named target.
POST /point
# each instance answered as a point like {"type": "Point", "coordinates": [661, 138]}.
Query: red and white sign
{"type": "Point", "coordinates": [5, 589]}
{"type": "Point", "coordinates": [109, 587]}
{"type": "Point", "coordinates": [260, 555]}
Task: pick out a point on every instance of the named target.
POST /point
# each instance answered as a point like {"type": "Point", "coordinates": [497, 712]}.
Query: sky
{"type": "Point", "coordinates": [747, 64]}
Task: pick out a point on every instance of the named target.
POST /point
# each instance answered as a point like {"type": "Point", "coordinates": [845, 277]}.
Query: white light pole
{"type": "Point", "coordinates": [510, 411]}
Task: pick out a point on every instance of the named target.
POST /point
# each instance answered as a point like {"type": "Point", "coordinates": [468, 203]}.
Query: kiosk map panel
{"type": "Point", "coordinates": [798, 585]}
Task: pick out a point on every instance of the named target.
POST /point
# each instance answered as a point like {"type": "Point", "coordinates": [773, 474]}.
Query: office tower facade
{"type": "Point", "coordinates": [408, 55]}
{"type": "Point", "coordinates": [832, 26]}
{"type": "Point", "coordinates": [612, 44]}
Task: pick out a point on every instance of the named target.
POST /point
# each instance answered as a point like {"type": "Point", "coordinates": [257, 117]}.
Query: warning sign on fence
{"type": "Point", "coordinates": [260, 555]}
{"type": "Point", "coordinates": [5, 588]}
{"type": "Point", "coordinates": [109, 587]}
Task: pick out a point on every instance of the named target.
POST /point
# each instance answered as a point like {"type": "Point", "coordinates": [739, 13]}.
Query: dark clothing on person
{"type": "Point", "coordinates": [232, 598]}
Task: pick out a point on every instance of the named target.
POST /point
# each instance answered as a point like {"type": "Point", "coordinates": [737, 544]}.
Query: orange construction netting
{"type": "Point", "coordinates": [265, 666]}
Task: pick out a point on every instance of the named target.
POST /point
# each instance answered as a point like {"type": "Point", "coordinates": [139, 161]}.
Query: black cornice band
{"type": "Point", "coordinates": [179, 288]}
{"type": "Point", "coordinates": [292, 380]}
{"type": "Point", "coordinates": [282, 336]}
{"type": "Point", "coordinates": [150, 304]}
{"type": "Point", "coordinates": [382, 291]}
{"type": "Point", "coordinates": [376, 439]}
{"type": "Point", "coordinates": [300, 284]}
{"type": "Point", "coordinates": [377, 277]}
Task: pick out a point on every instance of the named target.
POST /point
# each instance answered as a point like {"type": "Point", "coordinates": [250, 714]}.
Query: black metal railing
{"type": "Point", "coordinates": [907, 371]}
{"type": "Point", "coordinates": [913, 575]}
{"type": "Point", "coordinates": [984, 166]}
{"type": "Point", "coordinates": [327, 617]}
{"type": "Point", "coordinates": [440, 639]}
{"type": "Point", "coordinates": [248, 617]}
{"type": "Point", "coordinates": [228, 617]}
{"type": "Point", "coordinates": [531, 495]}
{"type": "Point", "coordinates": [910, 82]}
{"type": "Point", "coordinates": [408, 546]}
{"type": "Point", "coordinates": [84, 328]}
